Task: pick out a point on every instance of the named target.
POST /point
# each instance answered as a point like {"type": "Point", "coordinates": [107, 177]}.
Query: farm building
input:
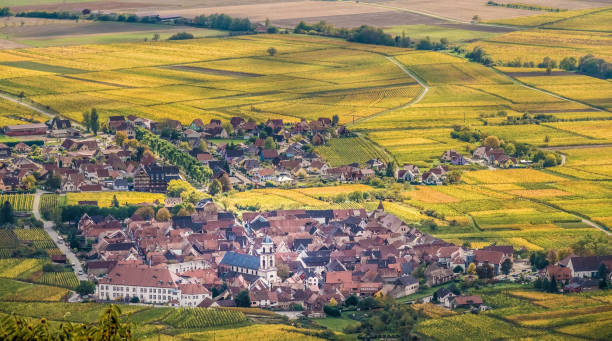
{"type": "Point", "coordinates": [26, 129]}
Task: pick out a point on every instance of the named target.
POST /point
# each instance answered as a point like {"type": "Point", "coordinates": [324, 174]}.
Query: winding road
{"type": "Point", "coordinates": [48, 225]}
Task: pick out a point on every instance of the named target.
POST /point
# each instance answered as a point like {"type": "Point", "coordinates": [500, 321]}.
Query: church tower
{"type": "Point", "coordinates": [267, 263]}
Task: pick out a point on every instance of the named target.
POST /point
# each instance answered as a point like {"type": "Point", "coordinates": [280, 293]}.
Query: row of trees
{"type": "Point", "coordinates": [91, 121]}
{"type": "Point", "coordinates": [175, 155]}
{"type": "Point", "coordinates": [526, 6]}
{"type": "Point", "coordinates": [222, 22]}
{"type": "Point", "coordinates": [216, 21]}
{"type": "Point", "coordinates": [363, 34]}
{"type": "Point", "coordinates": [588, 64]}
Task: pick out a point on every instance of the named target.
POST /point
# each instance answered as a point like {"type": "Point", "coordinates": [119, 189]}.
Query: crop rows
{"type": "Point", "coordinates": [203, 318]}
{"type": "Point", "coordinates": [19, 202]}
{"type": "Point", "coordinates": [59, 279]}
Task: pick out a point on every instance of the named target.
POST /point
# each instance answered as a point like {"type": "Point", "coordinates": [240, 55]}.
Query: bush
{"type": "Point", "coordinates": [331, 311]}
{"type": "Point", "coordinates": [181, 36]}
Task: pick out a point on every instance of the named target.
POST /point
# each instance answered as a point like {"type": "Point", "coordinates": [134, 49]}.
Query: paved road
{"type": "Point", "coordinates": [74, 260]}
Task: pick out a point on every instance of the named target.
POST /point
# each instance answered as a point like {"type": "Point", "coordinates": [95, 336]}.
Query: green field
{"type": "Point", "coordinates": [344, 151]}
{"type": "Point", "coordinates": [435, 33]}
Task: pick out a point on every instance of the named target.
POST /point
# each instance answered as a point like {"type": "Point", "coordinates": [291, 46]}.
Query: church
{"type": "Point", "coordinates": [251, 267]}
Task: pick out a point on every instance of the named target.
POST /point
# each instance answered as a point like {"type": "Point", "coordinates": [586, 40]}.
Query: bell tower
{"type": "Point", "coordinates": [267, 263]}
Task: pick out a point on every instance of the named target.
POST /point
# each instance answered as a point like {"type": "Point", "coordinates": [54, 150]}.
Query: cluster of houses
{"type": "Point", "coordinates": [579, 273]}
{"type": "Point", "coordinates": [281, 258]}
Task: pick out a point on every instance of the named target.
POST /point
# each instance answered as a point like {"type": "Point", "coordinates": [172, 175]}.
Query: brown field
{"type": "Point", "coordinates": [55, 28]}
{"type": "Point", "coordinates": [464, 10]}
{"type": "Point", "coordinates": [280, 10]}
{"type": "Point", "coordinates": [388, 18]}
{"type": "Point", "coordinates": [287, 12]}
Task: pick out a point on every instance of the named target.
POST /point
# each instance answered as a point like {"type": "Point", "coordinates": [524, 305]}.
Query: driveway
{"type": "Point", "coordinates": [48, 225]}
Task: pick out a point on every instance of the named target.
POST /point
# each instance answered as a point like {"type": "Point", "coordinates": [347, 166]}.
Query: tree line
{"type": "Point", "coordinates": [587, 64]}
{"type": "Point", "coordinates": [526, 6]}
{"type": "Point", "coordinates": [175, 155]}
{"type": "Point", "coordinates": [215, 21]}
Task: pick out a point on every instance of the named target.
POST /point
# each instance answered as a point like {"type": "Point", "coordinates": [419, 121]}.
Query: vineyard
{"type": "Point", "coordinates": [105, 199]}
{"type": "Point", "coordinates": [48, 203]}
{"type": "Point", "coordinates": [20, 268]}
{"type": "Point", "coordinates": [11, 290]}
{"type": "Point", "coordinates": [19, 202]}
{"type": "Point", "coordinates": [344, 151]}
{"type": "Point", "coordinates": [268, 332]}
{"type": "Point", "coordinates": [527, 314]}
{"type": "Point", "coordinates": [59, 279]}
{"type": "Point", "coordinates": [203, 318]}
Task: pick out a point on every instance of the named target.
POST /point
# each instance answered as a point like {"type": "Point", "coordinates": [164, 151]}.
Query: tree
{"type": "Point", "coordinates": [226, 183]}
{"type": "Point", "coordinates": [269, 143]}
{"type": "Point", "coordinates": [458, 269]}
{"type": "Point", "coordinates": [471, 269]}
{"type": "Point", "coordinates": [331, 310]}
{"type": "Point", "coordinates": [506, 266]}
{"type": "Point", "coordinates": [475, 18]}
{"type": "Point", "coordinates": [86, 120]}
{"type": "Point", "coordinates": [283, 271]}
{"type": "Point", "coordinates": [7, 214]}
{"type": "Point", "coordinates": [177, 187]}
{"type": "Point", "coordinates": [552, 286]}
{"type": "Point", "coordinates": [94, 123]}
{"type": "Point", "coordinates": [85, 288]}
{"type": "Point", "coordinates": [355, 196]}
{"type": "Point", "coordinates": [538, 260]}
{"type": "Point", "coordinates": [568, 63]}
{"type": "Point", "coordinates": [145, 213]}
{"type": "Point", "coordinates": [602, 271]}
{"type": "Point", "coordinates": [135, 299]}
{"type": "Point", "coordinates": [181, 36]}
{"type": "Point", "coordinates": [491, 141]}
{"type": "Point", "coordinates": [552, 256]}
{"type": "Point", "coordinates": [120, 137]}
{"type": "Point", "coordinates": [271, 51]}
{"type": "Point", "coordinates": [390, 171]}
{"type": "Point", "coordinates": [53, 181]}
{"type": "Point", "coordinates": [484, 271]}
{"type": "Point", "coordinates": [550, 160]}
{"type": "Point", "coordinates": [162, 214]}
{"type": "Point", "coordinates": [28, 182]}
{"type": "Point", "coordinates": [115, 202]}
{"type": "Point", "coordinates": [215, 187]}
{"type": "Point", "coordinates": [243, 299]}
{"type": "Point", "coordinates": [335, 120]}
{"type": "Point", "coordinates": [156, 37]}
{"type": "Point", "coordinates": [351, 301]}
{"type": "Point", "coordinates": [453, 176]}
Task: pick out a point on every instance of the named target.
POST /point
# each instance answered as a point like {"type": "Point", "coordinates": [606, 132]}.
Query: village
{"type": "Point", "coordinates": [297, 260]}
{"type": "Point", "coordinates": [249, 156]}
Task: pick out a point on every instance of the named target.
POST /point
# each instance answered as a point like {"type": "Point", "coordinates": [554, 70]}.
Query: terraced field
{"type": "Point", "coordinates": [209, 78]}
{"type": "Point", "coordinates": [528, 314]}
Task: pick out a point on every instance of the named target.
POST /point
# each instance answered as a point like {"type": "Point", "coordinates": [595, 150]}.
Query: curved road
{"type": "Point", "coordinates": [48, 225]}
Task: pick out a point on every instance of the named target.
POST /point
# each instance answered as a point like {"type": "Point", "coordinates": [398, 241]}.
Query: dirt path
{"type": "Point", "coordinates": [48, 225]}
{"type": "Point", "coordinates": [49, 114]}
{"type": "Point", "coordinates": [412, 102]}
{"type": "Point", "coordinates": [580, 146]}
{"type": "Point", "coordinates": [519, 82]}
{"type": "Point", "coordinates": [27, 105]}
